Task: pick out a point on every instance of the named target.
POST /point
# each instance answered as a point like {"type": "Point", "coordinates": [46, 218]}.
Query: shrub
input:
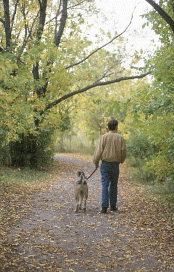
{"type": "Point", "coordinates": [32, 151]}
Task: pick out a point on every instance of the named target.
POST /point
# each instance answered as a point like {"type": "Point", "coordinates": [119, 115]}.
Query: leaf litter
{"type": "Point", "coordinates": [41, 232]}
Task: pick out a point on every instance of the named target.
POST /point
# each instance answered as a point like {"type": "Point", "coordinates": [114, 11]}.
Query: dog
{"type": "Point", "coordinates": [81, 191]}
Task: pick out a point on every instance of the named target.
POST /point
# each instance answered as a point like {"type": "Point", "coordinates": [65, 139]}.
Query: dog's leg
{"type": "Point", "coordinates": [85, 199]}
{"type": "Point", "coordinates": [80, 205]}
{"type": "Point", "coordinates": [77, 207]}
{"type": "Point", "coordinates": [77, 204]}
{"type": "Point", "coordinates": [80, 202]}
{"type": "Point", "coordinates": [84, 208]}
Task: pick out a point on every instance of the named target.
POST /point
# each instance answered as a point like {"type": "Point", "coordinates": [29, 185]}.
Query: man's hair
{"type": "Point", "coordinates": [112, 124]}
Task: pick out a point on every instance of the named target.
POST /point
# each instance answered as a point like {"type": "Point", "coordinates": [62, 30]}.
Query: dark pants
{"type": "Point", "coordinates": [109, 179]}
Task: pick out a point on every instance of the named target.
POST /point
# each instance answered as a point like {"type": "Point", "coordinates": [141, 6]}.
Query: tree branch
{"type": "Point", "coordinates": [57, 14]}
{"type": "Point", "coordinates": [99, 48]}
{"type": "Point", "coordinates": [42, 17]}
{"type": "Point", "coordinates": [172, 3]}
{"type": "Point", "coordinates": [63, 18]}
{"type": "Point", "coordinates": [2, 21]}
{"type": "Point", "coordinates": [40, 4]}
{"type": "Point", "coordinates": [163, 14]}
{"type": "Point", "coordinates": [27, 38]}
{"type": "Point", "coordinates": [14, 13]}
{"type": "Point", "coordinates": [107, 75]}
{"type": "Point", "coordinates": [76, 5]}
{"type": "Point", "coordinates": [97, 84]}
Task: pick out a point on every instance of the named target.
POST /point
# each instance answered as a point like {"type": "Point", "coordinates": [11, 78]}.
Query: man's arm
{"type": "Point", "coordinates": [123, 151]}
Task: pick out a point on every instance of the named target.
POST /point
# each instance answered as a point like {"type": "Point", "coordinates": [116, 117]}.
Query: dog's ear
{"type": "Point", "coordinates": [79, 172]}
{"type": "Point", "coordinates": [84, 177]}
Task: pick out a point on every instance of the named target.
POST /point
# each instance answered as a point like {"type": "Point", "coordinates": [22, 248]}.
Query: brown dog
{"type": "Point", "coordinates": [81, 191]}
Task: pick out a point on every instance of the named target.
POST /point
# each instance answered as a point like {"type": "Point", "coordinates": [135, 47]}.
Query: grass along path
{"type": "Point", "coordinates": [41, 232]}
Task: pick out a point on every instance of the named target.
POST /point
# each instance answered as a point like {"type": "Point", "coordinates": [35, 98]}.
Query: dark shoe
{"type": "Point", "coordinates": [104, 210]}
{"type": "Point", "coordinates": [114, 208]}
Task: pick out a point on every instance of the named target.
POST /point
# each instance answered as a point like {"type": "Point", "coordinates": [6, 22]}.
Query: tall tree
{"type": "Point", "coordinates": [43, 54]}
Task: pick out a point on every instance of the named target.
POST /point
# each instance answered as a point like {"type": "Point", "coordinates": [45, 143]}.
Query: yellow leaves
{"type": "Point", "coordinates": [137, 57]}
{"type": "Point", "coordinates": [159, 165]}
{"type": "Point", "coordinates": [107, 266]}
{"type": "Point", "coordinates": [6, 67]}
{"type": "Point", "coordinates": [103, 266]}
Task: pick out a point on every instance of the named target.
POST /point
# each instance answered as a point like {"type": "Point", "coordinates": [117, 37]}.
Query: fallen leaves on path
{"type": "Point", "coordinates": [41, 232]}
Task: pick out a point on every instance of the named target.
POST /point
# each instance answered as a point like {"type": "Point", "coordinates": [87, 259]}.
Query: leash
{"type": "Point", "coordinates": [92, 173]}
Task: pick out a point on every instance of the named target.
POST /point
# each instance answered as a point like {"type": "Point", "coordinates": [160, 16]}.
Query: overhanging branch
{"type": "Point", "coordinates": [163, 14]}
{"type": "Point", "coordinates": [94, 85]}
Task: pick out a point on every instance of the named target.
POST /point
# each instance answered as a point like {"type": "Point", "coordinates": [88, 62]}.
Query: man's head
{"type": "Point", "coordinates": [113, 124]}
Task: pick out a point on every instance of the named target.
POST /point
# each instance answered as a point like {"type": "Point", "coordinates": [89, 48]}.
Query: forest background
{"type": "Point", "coordinates": [60, 86]}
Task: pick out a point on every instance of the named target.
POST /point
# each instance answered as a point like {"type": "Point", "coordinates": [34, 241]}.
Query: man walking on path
{"type": "Point", "coordinates": [111, 151]}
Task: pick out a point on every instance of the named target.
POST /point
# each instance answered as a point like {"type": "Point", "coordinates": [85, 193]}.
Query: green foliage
{"type": "Point", "coordinates": [152, 105]}
{"type": "Point", "coordinates": [150, 138]}
{"type": "Point", "coordinates": [15, 177]}
{"type": "Point", "coordinates": [139, 146]}
{"type": "Point", "coordinates": [139, 150]}
{"type": "Point", "coordinates": [158, 24]}
{"type": "Point", "coordinates": [164, 190]}
{"type": "Point", "coordinates": [32, 76]}
{"type": "Point", "coordinates": [36, 72]}
{"type": "Point", "coordinates": [96, 109]}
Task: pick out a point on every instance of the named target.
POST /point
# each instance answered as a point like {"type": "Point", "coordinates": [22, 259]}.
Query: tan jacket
{"type": "Point", "coordinates": [111, 148]}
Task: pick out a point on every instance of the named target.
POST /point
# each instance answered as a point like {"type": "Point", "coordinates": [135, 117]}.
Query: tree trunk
{"type": "Point", "coordinates": [7, 24]}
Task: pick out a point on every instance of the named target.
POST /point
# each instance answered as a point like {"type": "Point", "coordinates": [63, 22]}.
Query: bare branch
{"type": "Point", "coordinates": [94, 85]}
{"type": "Point", "coordinates": [99, 48]}
{"type": "Point", "coordinates": [107, 75]}
{"type": "Point", "coordinates": [163, 14]}
{"type": "Point", "coordinates": [2, 21]}
{"type": "Point", "coordinates": [27, 38]}
{"type": "Point", "coordinates": [13, 17]}
{"type": "Point", "coordinates": [59, 12]}
{"type": "Point", "coordinates": [24, 15]}
{"type": "Point", "coordinates": [78, 4]}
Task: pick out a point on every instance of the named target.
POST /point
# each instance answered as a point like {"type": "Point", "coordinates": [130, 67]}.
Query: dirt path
{"type": "Point", "coordinates": [54, 238]}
